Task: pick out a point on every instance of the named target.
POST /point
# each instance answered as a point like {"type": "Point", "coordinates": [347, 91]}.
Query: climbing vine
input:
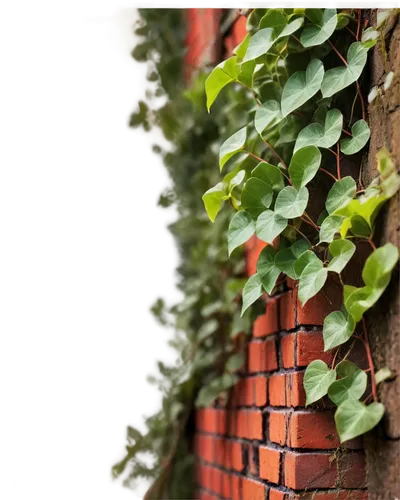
{"type": "Point", "coordinates": [302, 69]}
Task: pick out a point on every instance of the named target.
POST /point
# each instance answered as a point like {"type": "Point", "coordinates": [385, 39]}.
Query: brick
{"type": "Point", "coordinates": [318, 307]}
{"type": "Point", "coordinates": [231, 487]}
{"type": "Point", "coordinates": [253, 247]}
{"type": "Point", "coordinates": [277, 427]}
{"type": "Point", "coordinates": [270, 460]}
{"type": "Point", "coordinates": [288, 344]}
{"type": "Point", "coordinates": [277, 390]}
{"type": "Point", "coordinates": [262, 356]}
{"type": "Point", "coordinates": [333, 495]}
{"type": "Point", "coordinates": [267, 324]}
{"type": "Point", "coordinates": [310, 346]}
{"type": "Point", "coordinates": [253, 459]}
{"type": "Point", "coordinates": [295, 394]}
{"type": "Point", "coordinates": [260, 388]}
{"type": "Point", "coordinates": [211, 420]}
{"type": "Point", "coordinates": [275, 494]}
{"type": "Point", "coordinates": [287, 305]}
{"type": "Point", "coordinates": [312, 430]}
{"type": "Point", "coordinates": [217, 481]}
{"type": "Point", "coordinates": [352, 470]}
{"type": "Point", "coordinates": [249, 424]}
{"type": "Point", "coordinates": [309, 470]}
{"type": "Point", "coordinates": [235, 452]}
{"type": "Point", "coordinates": [252, 490]}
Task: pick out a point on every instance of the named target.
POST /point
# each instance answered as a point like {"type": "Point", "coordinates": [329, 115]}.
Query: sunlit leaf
{"type": "Point", "coordinates": [226, 72]}
{"type": "Point", "coordinates": [340, 194]}
{"type": "Point", "coordinates": [337, 329]}
{"type": "Point", "coordinates": [379, 265]}
{"type": "Point", "coordinates": [252, 291]}
{"type": "Point", "coordinates": [259, 44]}
{"type": "Point", "coordinates": [291, 202]}
{"type": "Point", "coordinates": [342, 251]}
{"type": "Point", "coordinates": [322, 30]}
{"type": "Point", "coordinates": [330, 227]}
{"type": "Point", "coordinates": [241, 228]}
{"type": "Point", "coordinates": [317, 380]}
{"type": "Point", "coordinates": [354, 418]}
{"type": "Point", "coordinates": [312, 279]}
{"type": "Point", "coordinates": [234, 144]}
{"type": "Point", "coordinates": [269, 225]}
{"type": "Point", "coordinates": [213, 199]}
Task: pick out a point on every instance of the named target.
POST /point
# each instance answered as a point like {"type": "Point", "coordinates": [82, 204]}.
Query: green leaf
{"type": "Point", "coordinates": [317, 380]}
{"type": "Point", "coordinates": [379, 265]}
{"type": "Point", "coordinates": [342, 251]}
{"type": "Point", "coordinates": [274, 18]}
{"type": "Point", "coordinates": [340, 194]}
{"type": "Point", "coordinates": [312, 279]}
{"type": "Point", "coordinates": [336, 79]}
{"type": "Point", "coordinates": [285, 261]}
{"type": "Point", "coordinates": [246, 74]}
{"type": "Point", "coordinates": [361, 133]}
{"type": "Point", "coordinates": [337, 329]}
{"type": "Point", "coordinates": [213, 199]}
{"type": "Point", "coordinates": [304, 165]}
{"type": "Point", "coordinates": [206, 329]}
{"type": "Point", "coordinates": [234, 179]}
{"type": "Point", "coordinates": [322, 137]}
{"type": "Point", "coordinates": [234, 144]}
{"type": "Point", "coordinates": [330, 227]}
{"type": "Point", "coordinates": [369, 37]}
{"type": "Point", "coordinates": [292, 27]}
{"type": "Point", "coordinates": [320, 31]}
{"type": "Point", "coordinates": [361, 300]}
{"type": "Point", "coordinates": [354, 418]}
{"type": "Point", "coordinates": [259, 44]}
{"type": "Point", "coordinates": [301, 86]}
{"type": "Point", "coordinates": [291, 203]}
{"type": "Point", "coordinates": [256, 196]}
{"type": "Point", "coordinates": [383, 374]}
{"type": "Point", "coordinates": [226, 72]}
{"type": "Point", "coordinates": [300, 247]}
{"type": "Point", "coordinates": [252, 291]}
{"type": "Point", "coordinates": [351, 385]}
{"type": "Point", "coordinates": [267, 269]}
{"type": "Point", "coordinates": [269, 174]}
{"type": "Point", "coordinates": [302, 261]}
{"type": "Point", "coordinates": [210, 392]}
{"type": "Point", "coordinates": [269, 114]}
{"type": "Point", "coordinates": [235, 362]}
{"type": "Point", "coordinates": [269, 225]}
{"type": "Point", "coordinates": [241, 228]}
{"type": "Point", "coordinates": [240, 50]}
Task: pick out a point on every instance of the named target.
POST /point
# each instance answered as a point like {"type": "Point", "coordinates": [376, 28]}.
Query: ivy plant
{"type": "Point", "coordinates": [302, 68]}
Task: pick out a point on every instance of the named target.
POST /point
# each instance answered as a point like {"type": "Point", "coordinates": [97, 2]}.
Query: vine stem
{"type": "Point", "coordinates": [347, 132]}
{"type": "Point", "coordinates": [370, 361]}
{"type": "Point", "coordinates": [255, 156]}
{"type": "Point", "coordinates": [334, 358]}
{"type": "Point", "coordinates": [274, 153]}
{"type": "Point", "coordinates": [328, 173]}
{"type": "Point", "coordinates": [298, 230]}
{"type": "Point", "coordinates": [358, 24]}
{"type": "Point", "coordinates": [338, 161]}
{"type": "Point", "coordinates": [311, 221]}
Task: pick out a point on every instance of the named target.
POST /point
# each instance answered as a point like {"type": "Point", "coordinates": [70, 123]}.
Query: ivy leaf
{"type": "Point", "coordinates": [269, 174]}
{"type": "Point", "coordinates": [269, 225]}
{"type": "Point", "coordinates": [206, 329]}
{"type": "Point", "coordinates": [351, 385]}
{"type": "Point", "coordinates": [241, 228]}
{"type": "Point", "coordinates": [299, 247]}
{"type": "Point", "coordinates": [259, 44]}
{"type": "Point", "coordinates": [304, 165]}
{"type": "Point", "coordinates": [231, 146]}
{"type": "Point", "coordinates": [274, 18]}
{"type": "Point", "coordinates": [383, 374]}
{"type": "Point", "coordinates": [342, 251]}
{"type": "Point", "coordinates": [340, 194]}
{"type": "Point", "coordinates": [337, 329]}
{"type": "Point", "coordinates": [268, 114]}
{"type": "Point", "coordinates": [379, 265]}
{"type": "Point", "coordinates": [256, 196]}
{"type": "Point", "coordinates": [210, 392]}
{"type": "Point", "coordinates": [320, 31]}
{"type": "Point", "coordinates": [336, 79]}
{"type": "Point", "coordinates": [292, 27]}
{"type": "Point", "coordinates": [301, 86]}
{"type": "Point", "coordinates": [322, 137]}
{"type": "Point", "coordinates": [330, 227]}
{"type": "Point", "coordinates": [267, 269]}
{"type": "Point", "coordinates": [235, 362]}
{"type": "Point", "coordinates": [252, 291]}
{"type": "Point", "coordinates": [302, 261]}
{"type": "Point", "coordinates": [234, 179]}
{"type": "Point", "coordinates": [361, 133]}
{"type": "Point", "coordinates": [240, 50]}
{"type": "Point", "coordinates": [291, 203]}
{"type": "Point", "coordinates": [370, 37]}
{"type": "Point", "coordinates": [226, 72]}
{"type": "Point", "coordinates": [361, 300]}
{"type": "Point", "coordinates": [317, 380]}
{"type": "Point", "coordinates": [312, 279]}
{"type": "Point", "coordinates": [213, 199]}
{"type": "Point", "coordinates": [354, 418]}
{"type": "Point", "coordinates": [285, 261]}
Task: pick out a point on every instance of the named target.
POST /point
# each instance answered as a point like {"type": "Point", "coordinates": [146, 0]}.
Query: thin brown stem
{"type": "Point", "coordinates": [352, 32]}
{"type": "Point", "coordinates": [358, 24]}
{"type": "Point", "coordinates": [347, 132]}
{"type": "Point", "coordinates": [338, 162]}
{"type": "Point", "coordinates": [274, 153]}
{"type": "Point", "coordinates": [311, 221]}
{"type": "Point", "coordinates": [255, 156]}
{"type": "Point", "coordinates": [334, 357]}
{"type": "Point", "coordinates": [372, 244]}
{"type": "Point", "coordinates": [364, 114]}
{"type": "Point", "coordinates": [338, 53]}
{"type": "Point", "coordinates": [370, 361]}
{"type": "Point", "coordinates": [301, 234]}
{"type": "Point", "coordinates": [328, 173]}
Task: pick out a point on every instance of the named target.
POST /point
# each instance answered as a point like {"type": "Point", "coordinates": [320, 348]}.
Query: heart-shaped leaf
{"type": "Point", "coordinates": [256, 196]}
{"type": "Point", "coordinates": [312, 279]}
{"type": "Point", "coordinates": [302, 261]}
{"type": "Point", "coordinates": [291, 203]}
{"type": "Point", "coordinates": [361, 133]}
{"type": "Point", "coordinates": [342, 251]}
{"type": "Point", "coordinates": [259, 44]}
{"type": "Point", "coordinates": [226, 72]}
{"type": "Point", "coordinates": [241, 228]}
{"type": "Point", "coordinates": [317, 380]}
{"type": "Point", "coordinates": [299, 247]}
{"type": "Point", "coordinates": [269, 114]}
{"type": "Point", "coordinates": [234, 144]}
{"type": "Point", "coordinates": [351, 385]}
{"type": "Point", "coordinates": [301, 86]}
{"type": "Point", "coordinates": [340, 194]}
{"type": "Point", "coordinates": [269, 225]}
{"type": "Point", "coordinates": [336, 79]}
{"type": "Point", "coordinates": [275, 19]}
{"type": "Point", "coordinates": [267, 269]}
{"type": "Point", "coordinates": [291, 27]}
{"type": "Point", "coordinates": [252, 291]}
{"type": "Point", "coordinates": [319, 32]}
{"type": "Point", "coordinates": [322, 137]}
{"type": "Point", "coordinates": [304, 165]}
{"type": "Point", "coordinates": [213, 199]}
{"type": "Point", "coordinates": [379, 265]}
{"type": "Point", "coordinates": [330, 227]}
{"type": "Point", "coordinates": [337, 329]}
{"type": "Point", "coordinates": [269, 174]}
{"type": "Point", "coordinates": [285, 261]}
{"type": "Point", "coordinates": [362, 299]}
{"type": "Point", "coordinates": [354, 418]}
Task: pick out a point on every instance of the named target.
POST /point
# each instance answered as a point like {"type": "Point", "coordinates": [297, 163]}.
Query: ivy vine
{"type": "Point", "coordinates": [302, 69]}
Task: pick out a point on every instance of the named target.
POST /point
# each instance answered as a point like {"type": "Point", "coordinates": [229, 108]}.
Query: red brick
{"type": "Point", "coordinates": [287, 305]}
{"type": "Point", "coordinates": [235, 452]}
{"type": "Point", "coordinates": [249, 424]}
{"type": "Point", "coordinates": [295, 394]}
{"type": "Point", "coordinates": [310, 346]}
{"type": "Point", "coordinates": [231, 486]}
{"type": "Point", "coordinates": [262, 356]}
{"type": "Point", "coordinates": [253, 455]}
{"type": "Point", "coordinates": [333, 495]}
{"type": "Point", "coordinates": [252, 490]}
{"type": "Point", "coordinates": [276, 494]}
{"type": "Point", "coordinates": [217, 481]}
{"type": "Point", "coordinates": [253, 247]}
{"type": "Point", "coordinates": [312, 430]}
{"type": "Point", "coordinates": [208, 496]}
{"type": "Point", "coordinates": [260, 388]}
{"type": "Point", "coordinates": [276, 390]}
{"type": "Point", "coordinates": [318, 307]}
{"type": "Point", "coordinates": [267, 324]}
{"type": "Point", "coordinates": [211, 420]}
{"type": "Point", "coordinates": [288, 343]}
{"type": "Point", "coordinates": [270, 460]}
{"type": "Point", "coordinates": [277, 427]}
{"type": "Point", "coordinates": [309, 470]}
{"type": "Point", "coordinates": [352, 470]}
